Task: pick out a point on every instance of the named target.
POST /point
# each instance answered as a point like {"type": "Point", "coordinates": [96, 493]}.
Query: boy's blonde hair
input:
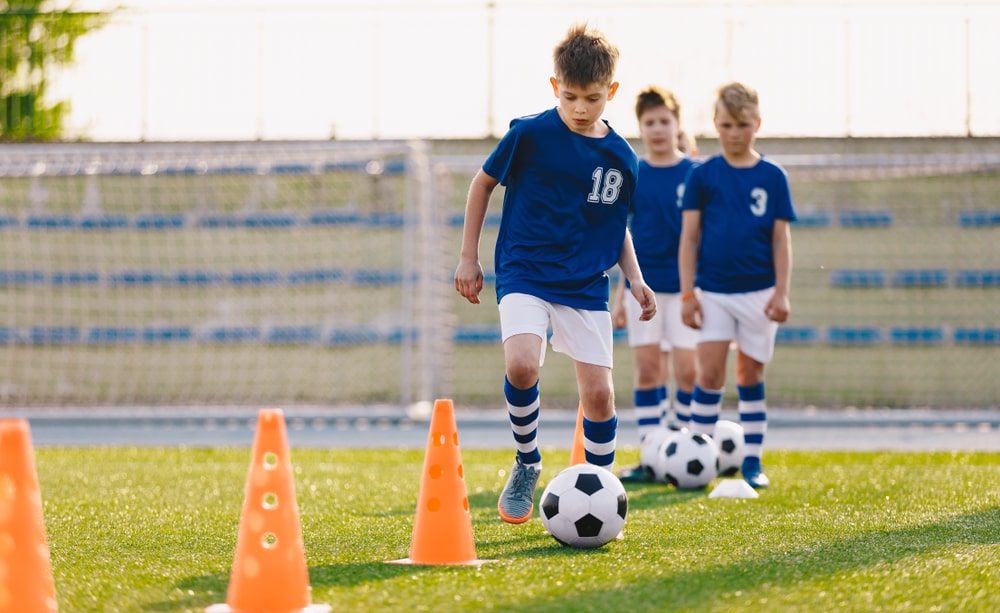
{"type": "Point", "coordinates": [737, 98]}
{"type": "Point", "coordinates": [654, 96]}
{"type": "Point", "coordinates": [585, 56]}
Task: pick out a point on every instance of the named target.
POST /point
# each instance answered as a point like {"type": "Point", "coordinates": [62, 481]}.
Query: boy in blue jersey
{"type": "Point", "coordinates": [656, 230]}
{"type": "Point", "coordinates": [736, 247]}
{"type": "Point", "coordinates": [569, 185]}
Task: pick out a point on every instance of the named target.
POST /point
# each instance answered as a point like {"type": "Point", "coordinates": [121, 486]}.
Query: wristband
{"type": "Point", "coordinates": [687, 296]}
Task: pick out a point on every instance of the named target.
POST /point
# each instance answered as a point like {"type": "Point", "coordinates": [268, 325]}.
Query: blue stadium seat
{"type": "Point", "coordinates": [159, 221]}
{"type": "Point", "coordinates": [866, 218]}
{"type": "Point", "coordinates": [854, 335]}
{"type": "Point", "coordinates": [167, 334]}
{"type": "Point", "coordinates": [53, 335]}
{"type": "Point", "coordinates": [197, 278]}
{"type": "Point", "coordinates": [334, 217]}
{"type": "Point", "coordinates": [231, 334]}
{"type": "Point", "coordinates": [457, 220]}
{"type": "Point", "coordinates": [977, 278]}
{"type": "Point", "coordinates": [10, 278]}
{"type": "Point", "coordinates": [137, 278]}
{"type": "Point", "coordinates": [8, 221]}
{"type": "Point", "coordinates": [270, 220]}
{"type": "Point", "coordinates": [111, 335]}
{"type": "Point", "coordinates": [977, 336]}
{"type": "Point", "coordinates": [477, 334]}
{"type": "Point", "coordinates": [813, 219]}
{"type": "Point", "coordinates": [45, 221]}
{"type": "Point", "coordinates": [220, 221]}
{"type": "Point", "coordinates": [292, 335]}
{"type": "Point", "coordinates": [103, 222]}
{"type": "Point", "coordinates": [359, 335]}
{"type": "Point", "coordinates": [858, 277]}
{"type": "Point", "coordinates": [255, 278]}
{"type": "Point", "coordinates": [292, 168]}
{"type": "Point", "coordinates": [399, 334]}
{"type": "Point", "coordinates": [916, 335]}
{"type": "Point", "coordinates": [315, 276]}
{"type": "Point", "coordinates": [75, 277]}
{"type": "Point", "coordinates": [385, 220]}
{"type": "Point", "coordinates": [797, 335]}
{"type": "Point", "coordinates": [9, 335]}
{"type": "Point", "coordinates": [979, 218]}
{"type": "Point", "coordinates": [915, 277]}
{"type": "Point", "coordinates": [377, 277]}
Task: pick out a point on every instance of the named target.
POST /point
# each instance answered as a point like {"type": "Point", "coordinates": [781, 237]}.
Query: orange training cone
{"type": "Point", "coordinates": [269, 573]}
{"type": "Point", "coordinates": [578, 455]}
{"type": "Point", "coordinates": [442, 528]}
{"type": "Point", "coordinates": [26, 584]}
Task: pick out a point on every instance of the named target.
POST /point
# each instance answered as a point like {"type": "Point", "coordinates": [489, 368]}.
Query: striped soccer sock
{"type": "Point", "coordinates": [682, 408]}
{"type": "Point", "coordinates": [663, 399]}
{"type": "Point", "coordinates": [599, 441]}
{"type": "Point", "coordinates": [523, 410]}
{"type": "Point", "coordinates": [647, 411]}
{"type": "Point", "coordinates": [753, 417]}
{"type": "Point", "coordinates": [705, 408]}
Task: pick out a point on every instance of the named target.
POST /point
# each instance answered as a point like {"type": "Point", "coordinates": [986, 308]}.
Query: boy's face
{"type": "Point", "coordinates": [736, 134]}
{"type": "Point", "coordinates": [581, 106]}
{"type": "Point", "coordinates": [658, 129]}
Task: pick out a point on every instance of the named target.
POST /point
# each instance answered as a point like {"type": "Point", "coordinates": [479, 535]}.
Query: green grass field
{"type": "Point", "coordinates": [137, 529]}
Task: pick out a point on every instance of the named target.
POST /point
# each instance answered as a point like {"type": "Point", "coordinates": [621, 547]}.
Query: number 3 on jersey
{"type": "Point", "coordinates": [606, 185]}
{"type": "Point", "coordinates": [759, 206]}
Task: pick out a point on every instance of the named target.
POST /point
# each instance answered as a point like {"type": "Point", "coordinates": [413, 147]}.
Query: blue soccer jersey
{"type": "Point", "coordinates": [656, 223]}
{"type": "Point", "coordinates": [565, 208]}
{"type": "Point", "coordinates": [738, 209]}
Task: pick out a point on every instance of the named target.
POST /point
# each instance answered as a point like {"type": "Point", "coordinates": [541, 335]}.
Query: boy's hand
{"type": "Point", "coordinates": [778, 308]}
{"type": "Point", "coordinates": [691, 312]}
{"type": "Point", "coordinates": [469, 280]}
{"type": "Point", "coordinates": [646, 298]}
{"type": "Point", "coordinates": [618, 314]}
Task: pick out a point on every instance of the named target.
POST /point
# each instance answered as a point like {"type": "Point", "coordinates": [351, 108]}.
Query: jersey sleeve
{"type": "Point", "coordinates": [784, 208]}
{"type": "Point", "coordinates": [692, 190]}
{"type": "Point", "coordinates": [501, 162]}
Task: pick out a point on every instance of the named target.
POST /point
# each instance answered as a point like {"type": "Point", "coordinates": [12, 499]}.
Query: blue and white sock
{"type": "Point", "coordinates": [682, 408]}
{"type": "Point", "coordinates": [663, 396]}
{"type": "Point", "coordinates": [647, 411]}
{"type": "Point", "coordinates": [705, 408]}
{"type": "Point", "coordinates": [599, 441]}
{"type": "Point", "coordinates": [523, 410]}
{"type": "Point", "coordinates": [753, 417]}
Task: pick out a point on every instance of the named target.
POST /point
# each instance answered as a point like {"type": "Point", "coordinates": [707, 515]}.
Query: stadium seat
{"type": "Point", "coordinates": [977, 278]}
{"type": "Point", "coordinates": [477, 334]}
{"type": "Point", "coordinates": [9, 335]}
{"type": "Point", "coordinates": [333, 217]}
{"type": "Point", "coordinates": [137, 278]}
{"type": "Point", "coordinates": [385, 220]}
{"type": "Point", "coordinates": [51, 222]}
{"type": "Point", "coordinates": [159, 221]}
{"type": "Point", "coordinates": [270, 220]}
{"type": "Point", "coordinates": [231, 334]}
{"type": "Point", "coordinates": [377, 277]}
{"type": "Point", "coordinates": [916, 335]}
{"type": "Point", "coordinates": [977, 336]}
{"type": "Point", "coordinates": [167, 334]}
{"type": "Point", "coordinates": [797, 335]}
{"type": "Point", "coordinates": [315, 276]}
{"type": "Point", "coordinates": [858, 277]}
{"type": "Point", "coordinates": [75, 277]}
{"type": "Point", "coordinates": [103, 222]}
{"type": "Point", "coordinates": [10, 278]}
{"type": "Point", "coordinates": [358, 335]}
{"type": "Point", "coordinates": [197, 278]}
{"type": "Point", "coordinates": [866, 218]}
{"type": "Point", "coordinates": [53, 335]}
{"type": "Point", "coordinates": [102, 335]}
{"type": "Point", "coordinates": [255, 278]}
{"type": "Point", "coordinates": [813, 219]}
{"type": "Point", "coordinates": [292, 335]}
{"type": "Point", "coordinates": [913, 277]}
{"type": "Point", "coordinates": [854, 335]}
{"type": "Point", "coordinates": [8, 221]}
{"type": "Point", "coordinates": [979, 218]}
{"type": "Point", "coordinates": [219, 221]}
{"type": "Point", "coordinates": [398, 335]}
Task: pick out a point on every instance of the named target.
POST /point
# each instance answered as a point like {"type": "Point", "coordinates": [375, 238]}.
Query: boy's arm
{"type": "Point", "coordinates": [469, 273]}
{"type": "Point", "coordinates": [687, 264]}
{"type": "Point", "coordinates": [630, 268]}
{"type": "Point", "coordinates": [779, 306]}
{"type": "Point", "coordinates": [618, 305]}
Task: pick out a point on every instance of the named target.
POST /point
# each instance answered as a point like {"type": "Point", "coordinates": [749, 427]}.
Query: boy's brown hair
{"type": "Point", "coordinates": [585, 56]}
{"type": "Point", "coordinates": [654, 96]}
{"type": "Point", "coordinates": [737, 97]}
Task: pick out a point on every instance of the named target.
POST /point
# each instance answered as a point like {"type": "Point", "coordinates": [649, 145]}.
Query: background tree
{"type": "Point", "coordinates": [36, 37]}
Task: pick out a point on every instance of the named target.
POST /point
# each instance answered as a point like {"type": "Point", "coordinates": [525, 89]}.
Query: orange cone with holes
{"type": "Point", "coordinates": [269, 571]}
{"type": "Point", "coordinates": [442, 528]}
{"type": "Point", "coordinates": [26, 584]}
{"type": "Point", "coordinates": [578, 455]}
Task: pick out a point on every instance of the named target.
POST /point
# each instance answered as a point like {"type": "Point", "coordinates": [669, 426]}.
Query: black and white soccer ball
{"type": "Point", "coordinates": [584, 506]}
{"type": "Point", "coordinates": [732, 447]}
{"type": "Point", "coordinates": [649, 447]}
{"type": "Point", "coordinates": [688, 460]}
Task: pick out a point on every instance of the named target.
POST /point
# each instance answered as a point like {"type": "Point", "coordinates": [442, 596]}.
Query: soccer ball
{"type": "Point", "coordinates": [584, 506]}
{"type": "Point", "coordinates": [688, 460]}
{"type": "Point", "coordinates": [648, 449]}
{"type": "Point", "coordinates": [729, 439]}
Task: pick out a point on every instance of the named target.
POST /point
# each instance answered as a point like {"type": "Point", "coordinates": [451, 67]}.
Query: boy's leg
{"type": "Point", "coordinates": [646, 395]}
{"type": "Point", "coordinates": [753, 417]}
{"type": "Point", "coordinates": [600, 424]}
{"type": "Point", "coordinates": [706, 401]}
{"type": "Point", "coordinates": [682, 408]}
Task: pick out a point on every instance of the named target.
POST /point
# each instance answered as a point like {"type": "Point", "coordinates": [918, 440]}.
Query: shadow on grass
{"type": "Point", "coordinates": [701, 588]}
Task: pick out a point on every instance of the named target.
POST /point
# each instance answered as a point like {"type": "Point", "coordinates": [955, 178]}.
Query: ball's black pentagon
{"type": "Point", "coordinates": [672, 480]}
{"type": "Point", "coordinates": [588, 525]}
{"type": "Point", "coordinates": [588, 483]}
{"type": "Point", "coordinates": [695, 467]}
{"type": "Point", "coordinates": [729, 472]}
{"type": "Point", "coordinates": [622, 505]}
{"type": "Point", "coordinates": [550, 505]}
{"type": "Point", "coordinates": [728, 445]}
{"type": "Point", "coordinates": [700, 439]}
{"type": "Point", "coordinates": [671, 448]}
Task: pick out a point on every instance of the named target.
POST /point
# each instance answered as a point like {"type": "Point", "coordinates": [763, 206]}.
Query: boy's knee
{"type": "Point", "coordinates": [522, 374]}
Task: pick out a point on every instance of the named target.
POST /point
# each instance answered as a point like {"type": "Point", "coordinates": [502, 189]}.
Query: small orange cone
{"type": "Point", "coordinates": [442, 528]}
{"type": "Point", "coordinates": [578, 455]}
{"type": "Point", "coordinates": [269, 573]}
{"type": "Point", "coordinates": [26, 584]}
